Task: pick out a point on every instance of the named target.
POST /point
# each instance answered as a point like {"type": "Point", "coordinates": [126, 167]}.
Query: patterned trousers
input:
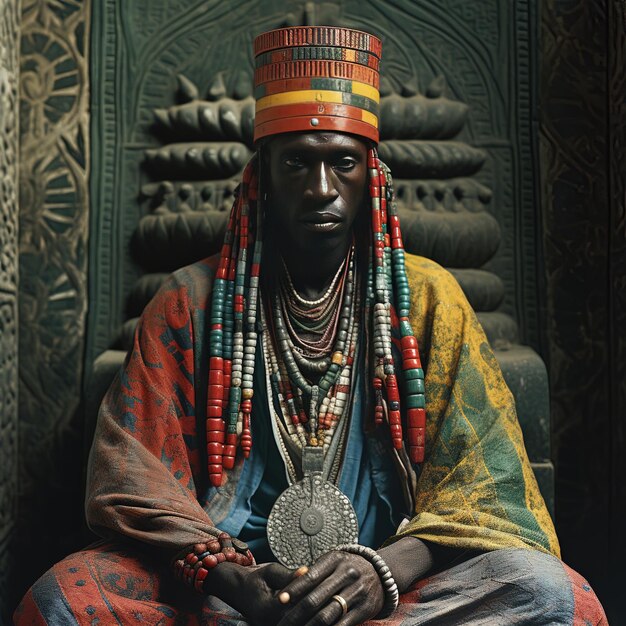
{"type": "Point", "coordinates": [105, 584]}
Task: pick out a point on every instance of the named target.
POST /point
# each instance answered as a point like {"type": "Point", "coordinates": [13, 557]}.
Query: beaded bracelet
{"type": "Point", "coordinates": [194, 567]}
{"type": "Point", "coordinates": [392, 595]}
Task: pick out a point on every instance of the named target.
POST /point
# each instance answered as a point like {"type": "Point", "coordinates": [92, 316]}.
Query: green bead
{"type": "Point", "coordinates": [416, 401]}
{"type": "Point", "coordinates": [415, 386]}
{"type": "Point", "coordinates": [325, 384]}
{"type": "Point", "coordinates": [405, 328]}
{"type": "Point", "coordinates": [414, 374]}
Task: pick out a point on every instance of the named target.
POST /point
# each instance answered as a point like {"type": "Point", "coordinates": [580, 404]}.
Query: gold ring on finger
{"type": "Point", "coordinates": [342, 603]}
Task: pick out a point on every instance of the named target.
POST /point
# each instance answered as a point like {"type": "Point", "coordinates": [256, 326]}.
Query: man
{"type": "Point", "coordinates": [273, 406]}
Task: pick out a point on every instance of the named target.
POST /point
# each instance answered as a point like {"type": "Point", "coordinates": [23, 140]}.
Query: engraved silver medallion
{"type": "Point", "coordinates": [311, 517]}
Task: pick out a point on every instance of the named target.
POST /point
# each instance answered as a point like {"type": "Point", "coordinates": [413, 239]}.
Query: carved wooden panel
{"type": "Point", "coordinates": [54, 168]}
{"type": "Point", "coordinates": [616, 20]}
{"type": "Point", "coordinates": [583, 92]}
{"type": "Point", "coordinates": [177, 129]}
{"type": "Point", "coordinates": [191, 178]}
{"type": "Point", "coordinates": [9, 70]}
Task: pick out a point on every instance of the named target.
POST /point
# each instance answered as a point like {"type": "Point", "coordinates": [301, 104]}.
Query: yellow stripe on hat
{"type": "Point", "coordinates": [295, 97]}
{"type": "Point", "coordinates": [370, 118]}
{"type": "Point", "coordinates": [362, 89]}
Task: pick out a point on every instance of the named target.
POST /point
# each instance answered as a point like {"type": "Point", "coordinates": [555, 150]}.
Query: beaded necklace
{"type": "Point", "coordinates": [328, 294]}
{"type": "Point", "coordinates": [236, 320]}
{"type": "Point", "coordinates": [318, 318]}
{"type": "Point", "coordinates": [312, 408]}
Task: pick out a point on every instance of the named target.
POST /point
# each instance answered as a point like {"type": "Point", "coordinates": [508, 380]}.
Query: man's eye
{"type": "Point", "coordinates": [294, 162]}
{"type": "Point", "coordinates": [345, 165]}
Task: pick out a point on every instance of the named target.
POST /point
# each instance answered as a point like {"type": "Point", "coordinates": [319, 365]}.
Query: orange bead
{"type": "Point", "coordinates": [228, 460]}
{"type": "Point", "coordinates": [215, 474]}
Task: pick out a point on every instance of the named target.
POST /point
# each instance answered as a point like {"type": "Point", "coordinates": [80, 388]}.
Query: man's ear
{"type": "Point", "coordinates": [263, 152]}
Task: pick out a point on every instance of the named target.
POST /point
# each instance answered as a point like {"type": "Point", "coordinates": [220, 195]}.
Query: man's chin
{"type": "Point", "coordinates": [309, 241]}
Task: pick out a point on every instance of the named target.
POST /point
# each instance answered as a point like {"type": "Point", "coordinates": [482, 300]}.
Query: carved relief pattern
{"type": "Point", "coordinates": [53, 188]}
{"type": "Point", "coordinates": [583, 161]}
{"type": "Point", "coordinates": [446, 211]}
{"type": "Point", "coordinates": [9, 70]}
{"type": "Point", "coordinates": [8, 145]}
{"type": "Point", "coordinates": [617, 188]}
{"type": "Point", "coordinates": [176, 120]}
{"type": "Point", "coordinates": [443, 208]}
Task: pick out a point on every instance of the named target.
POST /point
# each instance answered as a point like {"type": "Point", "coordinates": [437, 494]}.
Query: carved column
{"type": "Point", "coordinates": [583, 159]}
{"type": "Point", "coordinates": [9, 67]}
{"type": "Point", "coordinates": [54, 168]}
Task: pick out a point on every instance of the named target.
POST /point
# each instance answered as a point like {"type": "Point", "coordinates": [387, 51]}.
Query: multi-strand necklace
{"type": "Point", "coordinates": [317, 318]}
{"type": "Point", "coordinates": [310, 355]}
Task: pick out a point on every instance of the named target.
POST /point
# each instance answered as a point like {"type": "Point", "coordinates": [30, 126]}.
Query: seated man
{"type": "Point", "coordinates": [273, 409]}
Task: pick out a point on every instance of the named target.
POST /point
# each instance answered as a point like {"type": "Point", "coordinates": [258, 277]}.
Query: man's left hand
{"type": "Point", "coordinates": [310, 596]}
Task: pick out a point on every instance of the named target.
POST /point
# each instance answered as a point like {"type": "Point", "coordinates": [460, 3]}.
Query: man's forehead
{"type": "Point", "coordinates": [316, 140]}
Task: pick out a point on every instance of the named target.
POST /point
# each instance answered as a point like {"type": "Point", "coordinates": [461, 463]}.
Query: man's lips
{"type": "Point", "coordinates": [322, 222]}
{"type": "Point", "coordinates": [322, 218]}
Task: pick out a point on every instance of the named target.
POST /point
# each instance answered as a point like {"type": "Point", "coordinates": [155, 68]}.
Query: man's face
{"type": "Point", "coordinates": [317, 188]}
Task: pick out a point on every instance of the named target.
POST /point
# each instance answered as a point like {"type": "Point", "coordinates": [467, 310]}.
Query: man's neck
{"type": "Point", "coordinates": [312, 276]}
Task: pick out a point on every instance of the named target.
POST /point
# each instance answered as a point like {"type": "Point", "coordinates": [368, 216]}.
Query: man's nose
{"type": "Point", "coordinates": [320, 184]}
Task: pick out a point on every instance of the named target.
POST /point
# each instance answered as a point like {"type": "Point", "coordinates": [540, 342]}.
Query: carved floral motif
{"type": "Point", "coordinates": [8, 295]}
{"type": "Point", "coordinates": [53, 192]}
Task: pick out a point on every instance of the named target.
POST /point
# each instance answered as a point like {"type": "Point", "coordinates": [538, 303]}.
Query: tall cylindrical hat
{"type": "Point", "coordinates": [310, 78]}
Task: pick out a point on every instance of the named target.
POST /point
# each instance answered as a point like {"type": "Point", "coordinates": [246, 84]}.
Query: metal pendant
{"type": "Point", "coordinates": [311, 517]}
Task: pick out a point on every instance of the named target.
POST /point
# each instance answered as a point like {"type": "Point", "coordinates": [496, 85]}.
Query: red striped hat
{"type": "Point", "coordinates": [316, 78]}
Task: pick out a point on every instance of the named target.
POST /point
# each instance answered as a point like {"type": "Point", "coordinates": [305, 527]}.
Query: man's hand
{"type": "Point", "coordinates": [251, 590]}
{"type": "Point", "coordinates": [273, 594]}
{"type": "Point", "coordinates": [310, 596]}
{"type": "Point", "coordinates": [308, 599]}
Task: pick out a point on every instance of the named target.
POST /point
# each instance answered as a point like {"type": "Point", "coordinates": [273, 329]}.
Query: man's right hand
{"type": "Point", "coordinates": [250, 590]}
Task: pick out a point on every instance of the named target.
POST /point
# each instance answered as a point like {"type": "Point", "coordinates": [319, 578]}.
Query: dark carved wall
{"type": "Point", "coordinates": [9, 70]}
{"type": "Point", "coordinates": [583, 160]}
{"type": "Point", "coordinates": [616, 114]}
{"type": "Point", "coordinates": [53, 196]}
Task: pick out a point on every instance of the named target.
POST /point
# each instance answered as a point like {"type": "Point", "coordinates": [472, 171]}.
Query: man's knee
{"type": "Point", "coordinates": [539, 574]}
{"type": "Point", "coordinates": [545, 585]}
{"type": "Point", "coordinates": [68, 587]}
{"type": "Point", "coordinates": [44, 603]}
